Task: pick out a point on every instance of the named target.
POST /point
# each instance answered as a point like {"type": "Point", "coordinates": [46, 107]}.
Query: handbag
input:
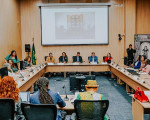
{"type": "Point", "coordinates": [139, 95]}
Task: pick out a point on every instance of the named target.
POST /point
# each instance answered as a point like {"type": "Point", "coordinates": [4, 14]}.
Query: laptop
{"type": "Point", "coordinates": [24, 97]}
{"type": "Point", "coordinates": [108, 61]}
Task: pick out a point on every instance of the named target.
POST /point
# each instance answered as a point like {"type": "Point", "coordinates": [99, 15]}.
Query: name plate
{"type": "Point", "coordinates": [127, 73]}
{"type": "Point", "coordinates": [123, 70]}
{"type": "Point", "coordinates": [135, 77]}
{"type": "Point", "coordinates": [25, 79]}
{"type": "Point", "coordinates": [50, 63]}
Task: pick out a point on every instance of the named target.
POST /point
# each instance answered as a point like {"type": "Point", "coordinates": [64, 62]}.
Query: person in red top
{"type": "Point", "coordinates": [108, 57]}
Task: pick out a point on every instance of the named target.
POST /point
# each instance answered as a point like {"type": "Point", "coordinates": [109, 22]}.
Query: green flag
{"type": "Point", "coordinates": [33, 54]}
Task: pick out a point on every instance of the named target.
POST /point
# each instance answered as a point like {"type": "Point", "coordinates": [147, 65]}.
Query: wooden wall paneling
{"type": "Point", "coordinates": [31, 26]}
{"type": "Point", "coordinates": [143, 17]}
{"type": "Point", "coordinates": [10, 29]}
{"type": "Point", "coordinates": [130, 22]}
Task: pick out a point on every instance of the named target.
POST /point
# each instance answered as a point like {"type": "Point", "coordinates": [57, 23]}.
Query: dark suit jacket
{"type": "Point", "coordinates": [61, 59]}
{"type": "Point", "coordinates": [75, 59]}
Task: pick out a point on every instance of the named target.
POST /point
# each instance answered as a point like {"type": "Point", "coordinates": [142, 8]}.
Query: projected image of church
{"type": "Point", "coordinates": [75, 25]}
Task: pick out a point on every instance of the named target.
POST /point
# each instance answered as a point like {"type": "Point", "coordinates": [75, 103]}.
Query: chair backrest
{"type": "Point", "coordinates": [45, 58]}
{"type": "Point", "coordinates": [73, 57]}
{"type": "Point", "coordinates": [3, 72]}
{"type": "Point", "coordinates": [39, 112]}
{"type": "Point", "coordinates": [91, 109]}
{"type": "Point", "coordinates": [7, 107]}
{"type": "Point", "coordinates": [104, 58]}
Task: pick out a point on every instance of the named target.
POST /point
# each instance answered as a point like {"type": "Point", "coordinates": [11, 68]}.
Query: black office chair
{"type": "Point", "coordinates": [45, 58]}
{"type": "Point", "coordinates": [39, 112]}
{"type": "Point", "coordinates": [7, 107]}
{"type": "Point", "coordinates": [91, 109]}
{"type": "Point", "coordinates": [104, 58]}
{"type": "Point", "coordinates": [73, 57]}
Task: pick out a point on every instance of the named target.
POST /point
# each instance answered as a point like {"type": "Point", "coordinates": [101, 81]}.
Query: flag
{"type": "Point", "coordinates": [33, 54]}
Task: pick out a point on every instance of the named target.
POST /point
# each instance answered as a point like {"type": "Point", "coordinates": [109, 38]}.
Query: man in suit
{"type": "Point", "coordinates": [77, 58]}
{"type": "Point", "coordinates": [93, 58]}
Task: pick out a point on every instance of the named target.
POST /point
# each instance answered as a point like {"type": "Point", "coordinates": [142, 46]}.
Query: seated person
{"type": "Point", "coordinates": [137, 64]}
{"type": "Point", "coordinates": [8, 66]}
{"type": "Point", "coordinates": [90, 94]}
{"type": "Point", "coordinates": [28, 61]}
{"type": "Point", "coordinates": [46, 96]}
{"type": "Point", "coordinates": [77, 58]}
{"type": "Point", "coordinates": [9, 89]}
{"type": "Point", "coordinates": [13, 56]}
{"type": "Point", "coordinates": [93, 58]}
{"type": "Point", "coordinates": [13, 68]}
{"type": "Point", "coordinates": [108, 57]}
{"type": "Point", "coordinates": [147, 68]}
{"type": "Point", "coordinates": [63, 58]}
{"type": "Point", "coordinates": [143, 62]}
{"type": "Point", "coordinates": [50, 58]}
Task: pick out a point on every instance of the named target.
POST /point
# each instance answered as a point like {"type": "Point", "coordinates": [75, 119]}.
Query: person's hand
{"type": "Point", "coordinates": [132, 65]}
{"type": "Point", "coordinates": [140, 69]}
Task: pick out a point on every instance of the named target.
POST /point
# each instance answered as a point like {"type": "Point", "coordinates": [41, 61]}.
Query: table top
{"type": "Point", "coordinates": [78, 64]}
{"type": "Point", "coordinates": [27, 75]}
{"type": "Point", "coordinates": [69, 105]}
{"type": "Point", "coordinates": [142, 79]}
{"type": "Point", "coordinates": [145, 105]}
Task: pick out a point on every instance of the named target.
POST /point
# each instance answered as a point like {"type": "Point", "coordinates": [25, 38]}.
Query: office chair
{"type": "Point", "coordinates": [7, 107]}
{"type": "Point", "coordinates": [104, 58]}
{"type": "Point", "coordinates": [39, 112]}
{"type": "Point", "coordinates": [45, 58]}
{"type": "Point", "coordinates": [91, 109]}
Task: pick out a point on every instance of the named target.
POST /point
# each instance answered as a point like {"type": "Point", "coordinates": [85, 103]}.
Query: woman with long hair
{"type": "Point", "coordinates": [108, 57]}
{"type": "Point", "coordinates": [28, 62]}
{"type": "Point", "coordinates": [13, 68]}
{"type": "Point", "coordinates": [63, 58]}
{"type": "Point", "coordinates": [45, 96]}
{"type": "Point", "coordinates": [13, 56]}
{"type": "Point", "coordinates": [8, 88]}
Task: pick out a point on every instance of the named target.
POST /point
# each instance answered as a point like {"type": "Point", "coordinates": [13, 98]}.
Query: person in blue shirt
{"type": "Point", "coordinates": [77, 58]}
{"type": "Point", "coordinates": [137, 64]}
{"type": "Point", "coordinates": [93, 58]}
{"type": "Point", "coordinates": [46, 96]}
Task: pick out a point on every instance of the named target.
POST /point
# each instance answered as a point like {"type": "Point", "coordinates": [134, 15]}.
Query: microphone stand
{"type": "Point", "coordinates": [119, 62]}
{"type": "Point", "coordinates": [66, 98]}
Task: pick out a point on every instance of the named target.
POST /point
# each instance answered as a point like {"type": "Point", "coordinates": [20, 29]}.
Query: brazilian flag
{"type": "Point", "coordinates": [33, 55]}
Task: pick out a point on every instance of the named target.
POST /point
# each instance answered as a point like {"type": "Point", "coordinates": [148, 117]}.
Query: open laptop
{"type": "Point", "coordinates": [24, 97]}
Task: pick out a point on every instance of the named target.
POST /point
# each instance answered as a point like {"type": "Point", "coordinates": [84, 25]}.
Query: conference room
{"type": "Point", "coordinates": [75, 60]}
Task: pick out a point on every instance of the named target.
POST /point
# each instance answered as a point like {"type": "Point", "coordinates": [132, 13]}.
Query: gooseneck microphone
{"type": "Point", "coordinates": [66, 98]}
{"type": "Point", "coordinates": [119, 62]}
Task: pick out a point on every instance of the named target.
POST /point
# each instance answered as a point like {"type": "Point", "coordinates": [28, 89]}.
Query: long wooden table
{"type": "Point", "coordinates": [25, 84]}
{"type": "Point", "coordinates": [129, 79]}
{"type": "Point", "coordinates": [78, 68]}
{"type": "Point", "coordinates": [139, 109]}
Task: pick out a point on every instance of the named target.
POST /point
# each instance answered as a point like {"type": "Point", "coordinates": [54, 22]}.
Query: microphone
{"type": "Point", "coordinates": [66, 98]}
{"type": "Point", "coordinates": [119, 62]}
{"type": "Point", "coordinates": [21, 76]}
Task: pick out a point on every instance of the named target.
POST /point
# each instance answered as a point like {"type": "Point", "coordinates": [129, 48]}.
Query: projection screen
{"type": "Point", "coordinates": [74, 25]}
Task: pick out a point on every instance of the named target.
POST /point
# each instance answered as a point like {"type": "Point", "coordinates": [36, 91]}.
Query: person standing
{"type": "Point", "coordinates": [130, 52]}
